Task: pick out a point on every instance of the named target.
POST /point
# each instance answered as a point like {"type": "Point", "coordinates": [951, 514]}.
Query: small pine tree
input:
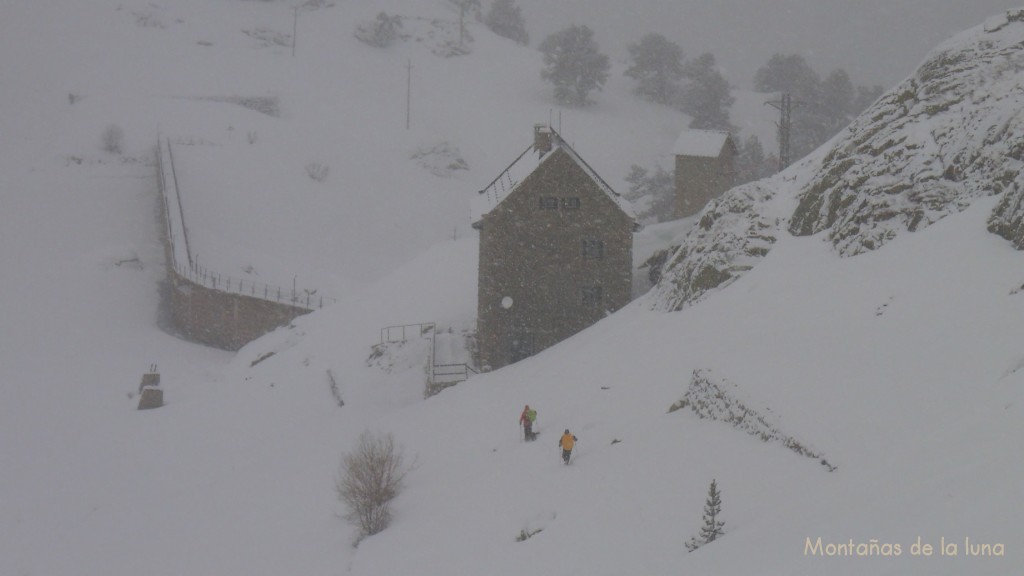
{"type": "Point", "coordinates": [712, 527]}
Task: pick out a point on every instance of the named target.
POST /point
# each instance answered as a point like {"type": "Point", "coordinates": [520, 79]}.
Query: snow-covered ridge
{"type": "Point", "coordinates": [946, 136]}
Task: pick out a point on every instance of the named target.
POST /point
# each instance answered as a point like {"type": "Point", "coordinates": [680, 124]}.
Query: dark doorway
{"type": "Point", "coordinates": [522, 347]}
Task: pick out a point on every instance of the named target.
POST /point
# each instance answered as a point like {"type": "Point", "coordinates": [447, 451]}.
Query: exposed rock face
{"type": "Point", "coordinates": [714, 398]}
{"type": "Point", "coordinates": [947, 135]}
{"type": "Point", "coordinates": [951, 133]}
{"type": "Point", "coordinates": [731, 236]}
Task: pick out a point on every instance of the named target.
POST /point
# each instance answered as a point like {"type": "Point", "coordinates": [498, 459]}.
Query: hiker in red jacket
{"type": "Point", "coordinates": [526, 420]}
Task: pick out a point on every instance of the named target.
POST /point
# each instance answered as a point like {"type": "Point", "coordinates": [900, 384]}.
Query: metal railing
{"type": "Point", "coordinates": [180, 249]}
{"type": "Point", "coordinates": [306, 299]}
{"type": "Point", "coordinates": [401, 333]}
{"type": "Point", "coordinates": [440, 374]}
{"type": "Point", "coordinates": [452, 372]}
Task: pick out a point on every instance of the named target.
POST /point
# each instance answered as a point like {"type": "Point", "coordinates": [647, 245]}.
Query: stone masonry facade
{"type": "Point", "coordinates": [555, 257]}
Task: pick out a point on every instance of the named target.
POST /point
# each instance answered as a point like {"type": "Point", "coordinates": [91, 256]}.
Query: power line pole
{"type": "Point", "coordinates": [785, 107]}
{"type": "Point", "coordinates": [462, 20]}
{"type": "Point", "coordinates": [295, 29]}
{"type": "Point", "coordinates": [409, 91]}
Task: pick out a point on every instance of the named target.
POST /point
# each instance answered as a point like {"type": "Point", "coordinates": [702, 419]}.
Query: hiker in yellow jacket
{"type": "Point", "coordinates": [566, 443]}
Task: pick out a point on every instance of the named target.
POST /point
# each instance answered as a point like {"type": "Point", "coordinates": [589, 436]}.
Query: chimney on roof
{"type": "Point", "coordinates": [541, 138]}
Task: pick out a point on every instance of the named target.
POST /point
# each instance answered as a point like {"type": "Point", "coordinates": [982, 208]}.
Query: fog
{"type": "Point", "coordinates": [875, 41]}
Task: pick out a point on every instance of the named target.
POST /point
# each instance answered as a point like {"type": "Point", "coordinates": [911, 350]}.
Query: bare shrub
{"type": "Point", "coordinates": [369, 478]}
{"type": "Point", "coordinates": [318, 171]}
{"type": "Point", "coordinates": [380, 33]}
{"type": "Point", "coordinates": [112, 139]}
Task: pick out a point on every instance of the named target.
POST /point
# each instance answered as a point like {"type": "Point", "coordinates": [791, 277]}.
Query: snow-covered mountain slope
{"type": "Point", "coordinates": [946, 136]}
{"type": "Point", "coordinates": [902, 367]}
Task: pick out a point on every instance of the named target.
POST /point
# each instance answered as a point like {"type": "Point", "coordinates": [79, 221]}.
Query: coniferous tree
{"type": "Point", "coordinates": [866, 97]}
{"type": "Point", "coordinates": [791, 74]}
{"type": "Point", "coordinates": [657, 66]}
{"type": "Point", "coordinates": [837, 98]}
{"type": "Point", "coordinates": [787, 73]}
{"type": "Point", "coordinates": [573, 64]}
{"type": "Point", "coordinates": [382, 32]}
{"type": "Point", "coordinates": [712, 527]}
{"type": "Point", "coordinates": [707, 96]}
{"type": "Point", "coordinates": [471, 6]}
{"type": "Point", "coordinates": [506, 20]}
{"type": "Point", "coordinates": [821, 108]}
{"type": "Point", "coordinates": [751, 162]}
{"type": "Point", "coordinates": [653, 195]}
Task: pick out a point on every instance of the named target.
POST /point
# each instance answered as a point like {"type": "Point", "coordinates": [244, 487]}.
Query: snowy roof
{"type": "Point", "coordinates": [700, 143]}
{"type": "Point", "coordinates": [527, 162]}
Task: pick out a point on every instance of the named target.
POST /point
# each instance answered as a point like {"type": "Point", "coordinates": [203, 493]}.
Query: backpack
{"type": "Point", "coordinates": [531, 415]}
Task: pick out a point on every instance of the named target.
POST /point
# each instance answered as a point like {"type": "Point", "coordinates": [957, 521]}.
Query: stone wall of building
{"type": "Point", "coordinates": [217, 318]}
{"type": "Point", "coordinates": [533, 269]}
{"type": "Point", "coordinates": [221, 319]}
{"type": "Point", "coordinates": [701, 179]}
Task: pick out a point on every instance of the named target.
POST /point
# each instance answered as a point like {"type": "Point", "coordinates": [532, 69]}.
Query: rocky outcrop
{"type": "Point", "coordinates": [714, 398]}
{"type": "Point", "coordinates": [732, 234]}
{"type": "Point", "coordinates": [948, 135]}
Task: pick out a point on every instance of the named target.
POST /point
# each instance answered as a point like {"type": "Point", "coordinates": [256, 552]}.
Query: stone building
{"type": "Point", "coordinates": [704, 168]}
{"type": "Point", "coordinates": [556, 246]}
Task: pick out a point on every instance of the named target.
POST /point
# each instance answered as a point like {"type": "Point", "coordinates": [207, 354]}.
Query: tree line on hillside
{"type": "Point", "coordinates": [576, 68]}
{"type": "Point", "coordinates": [696, 87]}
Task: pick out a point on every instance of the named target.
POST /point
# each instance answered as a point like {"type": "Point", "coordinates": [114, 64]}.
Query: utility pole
{"type": "Point", "coordinates": [408, 92]}
{"type": "Point", "coordinates": [785, 107]}
{"type": "Point", "coordinates": [295, 29]}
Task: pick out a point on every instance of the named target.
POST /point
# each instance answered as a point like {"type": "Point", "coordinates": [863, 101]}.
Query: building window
{"type": "Point", "coordinates": [548, 203]}
{"type": "Point", "coordinates": [571, 203]}
{"type": "Point", "coordinates": [593, 250]}
{"type": "Point", "coordinates": [591, 296]}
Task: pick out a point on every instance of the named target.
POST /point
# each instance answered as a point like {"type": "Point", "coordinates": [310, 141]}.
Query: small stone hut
{"type": "Point", "coordinates": [704, 168]}
{"type": "Point", "coordinates": [556, 251]}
